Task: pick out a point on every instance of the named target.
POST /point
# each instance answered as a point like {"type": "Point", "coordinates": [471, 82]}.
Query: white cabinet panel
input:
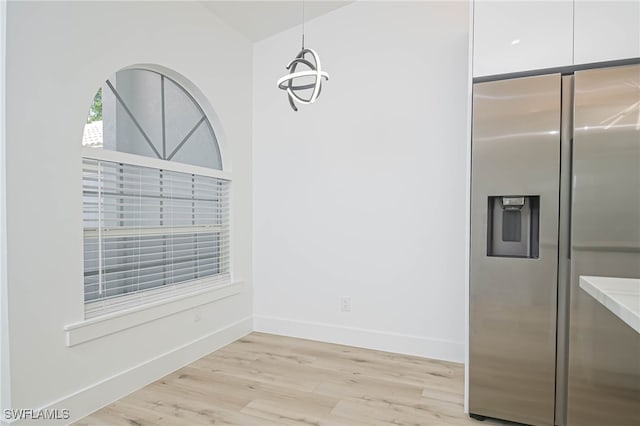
{"type": "Point", "coordinates": [606, 30]}
{"type": "Point", "coordinates": [511, 36]}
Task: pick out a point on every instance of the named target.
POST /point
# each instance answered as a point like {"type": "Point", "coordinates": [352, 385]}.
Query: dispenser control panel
{"type": "Point", "coordinates": [513, 226]}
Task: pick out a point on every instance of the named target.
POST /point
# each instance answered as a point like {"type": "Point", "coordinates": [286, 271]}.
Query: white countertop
{"type": "Point", "coordinates": [620, 295]}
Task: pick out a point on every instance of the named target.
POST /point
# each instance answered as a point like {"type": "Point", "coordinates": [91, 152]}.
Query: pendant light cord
{"type": "Point", "coordinates": [302, 24]}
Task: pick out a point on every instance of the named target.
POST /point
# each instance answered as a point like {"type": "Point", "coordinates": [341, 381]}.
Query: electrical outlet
{"type": "Point", "coordinates": [345, 304]}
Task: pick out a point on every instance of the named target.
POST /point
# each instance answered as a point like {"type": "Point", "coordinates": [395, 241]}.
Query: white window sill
{"type": "Point", "coordinates": [105, 325]}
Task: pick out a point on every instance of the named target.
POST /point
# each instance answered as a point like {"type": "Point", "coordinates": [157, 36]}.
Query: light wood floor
{"type": "Point", "coordinates": [264, 379]}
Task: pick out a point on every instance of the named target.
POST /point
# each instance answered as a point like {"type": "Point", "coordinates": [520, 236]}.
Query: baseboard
{"type": "Point", "coordinates": [98, 395]}
{"type": "Point", "coordinates": [365, 338]}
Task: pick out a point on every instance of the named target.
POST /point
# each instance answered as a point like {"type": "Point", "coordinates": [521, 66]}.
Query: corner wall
{"type": "Point", "coordinates": [362, 194]}
{"type": "Point", "coordinates": [5, 395]}
{"type": "Point", "coordinates": [58, 54]}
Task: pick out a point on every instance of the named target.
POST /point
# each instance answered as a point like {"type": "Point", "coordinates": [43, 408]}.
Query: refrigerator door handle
{"type": "Point", "coordinates": [564, 249]}
{"type": "Point", "coordinates": [569, 186]}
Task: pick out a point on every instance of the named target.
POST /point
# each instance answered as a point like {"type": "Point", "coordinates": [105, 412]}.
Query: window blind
{"type": "Point", "coordinates": [150, 233]}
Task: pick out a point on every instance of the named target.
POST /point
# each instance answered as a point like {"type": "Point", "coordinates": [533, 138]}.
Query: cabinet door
{"type": "Point", "coordinates": [512, 36]}
{"type": "Point", "coordinates": [606, 30]}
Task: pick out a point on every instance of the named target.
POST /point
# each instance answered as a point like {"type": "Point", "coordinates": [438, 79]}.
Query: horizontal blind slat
{"type": "Point", "coordinates": [150, 232]}
{"type": "Point", "coordinates": [133, 284]}
{"type": "Point", "coordinates": [172, 264]}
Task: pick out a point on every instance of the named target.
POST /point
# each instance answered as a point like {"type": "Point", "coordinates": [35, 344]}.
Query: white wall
{"type": "Point", "coordinates": [4, 312]}
{"type": "Point", "coordinates": [363, 193]}
{"type": "Point", "coordinates": [58, 53]}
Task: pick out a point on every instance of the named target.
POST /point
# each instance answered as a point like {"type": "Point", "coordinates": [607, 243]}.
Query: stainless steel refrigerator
{"type": "Point", "coordinates": [555, 195]}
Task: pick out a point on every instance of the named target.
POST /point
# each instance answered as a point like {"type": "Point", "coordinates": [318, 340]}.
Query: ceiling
{"type": "Point", "coordinates": [260, 19]}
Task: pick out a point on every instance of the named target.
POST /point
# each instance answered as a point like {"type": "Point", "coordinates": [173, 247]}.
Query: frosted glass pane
{"type": "Point", "coordinates": [128, 137]}
{"type": "Point", "coordinates": [141, 92]}
{"type": "Point", "coordinates": [201, 149]}
{"type": "Point", "coordinates": [109, 103]}
{"type": "Point", "coordinates": [181, 114]}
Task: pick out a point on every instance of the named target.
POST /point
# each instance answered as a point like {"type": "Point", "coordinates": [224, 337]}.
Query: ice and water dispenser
{"type": "Point", "coordinates": [513, 226]}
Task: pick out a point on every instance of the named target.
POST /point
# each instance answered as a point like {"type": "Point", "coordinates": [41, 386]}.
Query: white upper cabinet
{"type": "Point", "coordinates": [606, 30]}
{"type": "Point", "coordinates": [512, 36]}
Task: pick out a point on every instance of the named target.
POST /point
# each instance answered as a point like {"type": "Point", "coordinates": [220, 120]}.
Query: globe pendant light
{"type": "Point", "coordinates": [310, 59]}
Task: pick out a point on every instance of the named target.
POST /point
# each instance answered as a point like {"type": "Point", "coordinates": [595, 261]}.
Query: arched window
{"type": "Point", "coordinates": [146, 113]}
{"type": "Point", "coordinates": [155, 199]}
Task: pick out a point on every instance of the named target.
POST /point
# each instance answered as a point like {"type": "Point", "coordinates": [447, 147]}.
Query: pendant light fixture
{"type": "Point", "coordinates": [309, 58]}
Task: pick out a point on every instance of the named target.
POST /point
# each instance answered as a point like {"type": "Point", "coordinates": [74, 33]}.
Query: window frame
{"type": "Point", "coordinates": [192, 294]}
{"type": "Point", "coordinates": [157, 294]}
